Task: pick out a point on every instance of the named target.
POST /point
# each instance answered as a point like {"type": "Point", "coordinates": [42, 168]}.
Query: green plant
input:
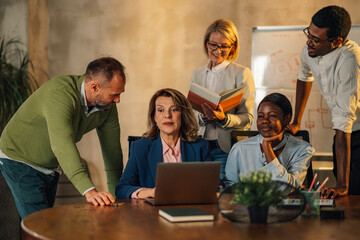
{"type": "Point", "coordinates": [256, 189]}
{"type": "Point", "coordinates": [16, 82]}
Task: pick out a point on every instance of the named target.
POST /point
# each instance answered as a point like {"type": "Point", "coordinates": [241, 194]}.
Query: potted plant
{"type": "Point", "coordinates": [16, 82]}
{"type": "Point", "coordinates": [257, 192]}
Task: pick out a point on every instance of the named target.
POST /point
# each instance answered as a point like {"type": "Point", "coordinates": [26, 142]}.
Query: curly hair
{"type": "Point", "coordinates": [189, 127]}
{"type": "Point", "coordinates": [336, 19]}
{"type": "Point", "coordinates": [279, 100]}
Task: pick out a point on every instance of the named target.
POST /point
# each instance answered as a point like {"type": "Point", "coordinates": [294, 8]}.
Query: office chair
{"type": "Point", "coordinates": [303, 134]}
{"type": "Point", "coordinates": [130, 140]}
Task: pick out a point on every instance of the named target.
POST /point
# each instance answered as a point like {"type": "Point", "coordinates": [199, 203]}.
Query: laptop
{"type": "Point", "coordinates": [186, 183]}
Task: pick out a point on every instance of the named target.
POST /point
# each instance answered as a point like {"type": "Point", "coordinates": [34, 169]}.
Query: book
{"type": "Point", "coordinates": [185, 214]}
{"type": "Point", "coordinates": [227, 100]}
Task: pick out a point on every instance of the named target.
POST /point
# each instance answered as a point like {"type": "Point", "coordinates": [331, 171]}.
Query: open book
{"type": "Point", "coordinates": [227, 100]}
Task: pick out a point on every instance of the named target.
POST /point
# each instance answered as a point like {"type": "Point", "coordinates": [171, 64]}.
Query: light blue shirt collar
{"type": "Point", "coordinates": [84, 103]}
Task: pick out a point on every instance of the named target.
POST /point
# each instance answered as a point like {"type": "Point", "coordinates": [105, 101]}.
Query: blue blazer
{"type": "Point", "coordinates": [145, 154]}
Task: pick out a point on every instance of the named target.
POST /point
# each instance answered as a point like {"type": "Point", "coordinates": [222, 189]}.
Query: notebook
{"type": "Point", "coordinates": [185, 214]}
{"type": "Point", "coordinates": [186, 183]}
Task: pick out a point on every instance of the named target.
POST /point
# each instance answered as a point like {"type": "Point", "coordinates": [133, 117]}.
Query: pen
{"type": "Point", "coordinates": [116, 204]}
{"type": "Point", "coordinates": [317, 185]}
{"type": "Point", "coordinates": [313, 181]}
{"type": "Point", "coordinates": [323, 183]}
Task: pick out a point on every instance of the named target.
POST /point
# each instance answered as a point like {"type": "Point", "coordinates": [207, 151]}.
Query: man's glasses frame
{"type": "Point", "coordinates": [316, 42]}
{"type": "Point", "coordinates": [214, 46]}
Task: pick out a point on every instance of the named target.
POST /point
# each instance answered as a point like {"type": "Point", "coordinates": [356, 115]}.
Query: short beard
{"type": "Point", "coordinates": [104, 107]}
{"type": "Point", "coordinates": [99, 104]}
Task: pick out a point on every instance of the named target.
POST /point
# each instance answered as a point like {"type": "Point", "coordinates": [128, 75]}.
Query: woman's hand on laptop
{"type": "Point", "coordinates": [146, 192]}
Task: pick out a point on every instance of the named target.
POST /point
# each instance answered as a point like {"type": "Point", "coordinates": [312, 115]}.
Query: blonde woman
{"type": "Point", "coordinates": [221, 45]}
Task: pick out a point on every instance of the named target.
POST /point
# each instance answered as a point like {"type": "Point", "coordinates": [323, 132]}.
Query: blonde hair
{"type": "Point", "coordinates": [189, 127]}
{"type": "Point", "coordinates": [228, 29]}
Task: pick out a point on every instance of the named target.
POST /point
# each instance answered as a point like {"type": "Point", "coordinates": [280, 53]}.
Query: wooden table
{"type": "Point", "coordinates": [138, 220]}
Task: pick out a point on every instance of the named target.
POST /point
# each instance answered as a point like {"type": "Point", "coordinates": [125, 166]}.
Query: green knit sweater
{"type": "Point", "coordinates": [44, 130]}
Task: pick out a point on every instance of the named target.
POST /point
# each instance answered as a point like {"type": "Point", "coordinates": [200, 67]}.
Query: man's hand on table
{"type": "Point", "coordinates": [99, 198]}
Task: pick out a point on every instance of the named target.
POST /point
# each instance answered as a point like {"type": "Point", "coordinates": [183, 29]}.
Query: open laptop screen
{"type": "Point", "coordinates": [186, 183]}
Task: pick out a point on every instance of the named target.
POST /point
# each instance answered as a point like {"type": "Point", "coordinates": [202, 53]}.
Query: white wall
{"type": "Point", "coordinates": [13, 20]}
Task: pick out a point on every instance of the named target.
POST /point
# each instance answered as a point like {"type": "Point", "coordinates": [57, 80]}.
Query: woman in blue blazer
{"type": "Point", "coordinates": [172, 136]}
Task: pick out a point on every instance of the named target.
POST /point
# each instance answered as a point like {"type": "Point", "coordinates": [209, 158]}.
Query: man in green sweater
{"type": "Point", "coordinates": [42, 136]}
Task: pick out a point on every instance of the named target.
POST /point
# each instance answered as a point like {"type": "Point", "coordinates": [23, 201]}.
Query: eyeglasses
{"type": "Point", "coordinates": [215, 46]}
{"type": "Point", "coordinates": [315, 42]}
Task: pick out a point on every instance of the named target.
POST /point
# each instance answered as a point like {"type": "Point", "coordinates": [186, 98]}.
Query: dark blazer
{"type": "Point", "coordinates": [145, 154]}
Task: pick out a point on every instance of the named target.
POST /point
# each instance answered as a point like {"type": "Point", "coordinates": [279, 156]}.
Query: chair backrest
{"type": "Point", "coordinates": [303, 134]}
{"type": "Point", "coordinates": [237, 136]}
{"type": "Point", "coordinates": [130, 140]}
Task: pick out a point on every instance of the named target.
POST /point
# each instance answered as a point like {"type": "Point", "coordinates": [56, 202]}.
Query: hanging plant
{"type": "Point", "coordinates": [16, 82]}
